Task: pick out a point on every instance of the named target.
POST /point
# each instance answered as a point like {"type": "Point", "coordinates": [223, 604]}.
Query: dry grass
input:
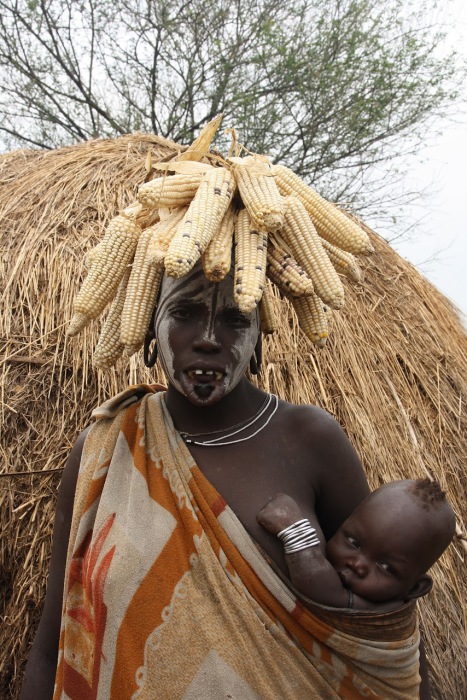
{"type": "Point", "coordinates": [394, 374]}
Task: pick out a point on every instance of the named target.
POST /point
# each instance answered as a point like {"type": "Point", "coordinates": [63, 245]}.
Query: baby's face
{"type": "Point", "coordinates": [380, 550]}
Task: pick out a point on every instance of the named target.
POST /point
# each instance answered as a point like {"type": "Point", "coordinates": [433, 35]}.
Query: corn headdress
{"type": "Point", "coordinates": [200, 206]}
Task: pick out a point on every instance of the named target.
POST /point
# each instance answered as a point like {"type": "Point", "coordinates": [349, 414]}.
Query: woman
{"type": "Point", "coordinates": [166, 592]}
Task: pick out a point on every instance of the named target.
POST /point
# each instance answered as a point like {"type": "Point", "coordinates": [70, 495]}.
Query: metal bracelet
{"type": "Point", "coordinates": [300, 535]}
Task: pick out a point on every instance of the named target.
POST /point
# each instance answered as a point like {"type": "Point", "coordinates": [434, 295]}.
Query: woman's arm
{"type": "Point", "coordinates": [41, 667]}
{"type": "Point", "coordinates": [342, 484]}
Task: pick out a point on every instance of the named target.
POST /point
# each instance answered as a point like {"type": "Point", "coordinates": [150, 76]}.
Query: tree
{"type": "Point", "coordinates": [330, 88]}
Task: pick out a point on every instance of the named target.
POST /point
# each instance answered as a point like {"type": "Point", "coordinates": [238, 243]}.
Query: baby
{"type": "Point", "coordinates": [379, 556]}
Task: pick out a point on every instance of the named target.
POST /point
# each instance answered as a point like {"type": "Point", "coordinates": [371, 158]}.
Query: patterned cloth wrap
{"type": "Point", "coordinates": [167, 597]}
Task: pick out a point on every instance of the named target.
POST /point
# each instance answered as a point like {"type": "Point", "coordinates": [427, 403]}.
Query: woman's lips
{"type": "Point", "coordinates": [205, 375]}
{"type": "Point", "coordinates": [202, 385]}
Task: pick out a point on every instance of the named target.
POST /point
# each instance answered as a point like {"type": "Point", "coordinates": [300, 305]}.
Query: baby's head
{"type": "Point", "coordinates": [384, 549]}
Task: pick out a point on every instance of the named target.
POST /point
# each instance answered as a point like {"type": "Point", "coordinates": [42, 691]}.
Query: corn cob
{"type": "Point", "coordinates": [116, 251]}
{"type": "Point", "coordinates": [169, 191]}
{"type": "Point", "coordinates": [301, 237]}
{"type": "Point", "coordinates": [91, 256]}
{"type": "Point", "coordinates": [312, 318]}
{"type": "Point", "coordinates": [141, 294]}
{"type": "Point", "coordinates": [217, 258]}
{"type": "Point", "coordinates": [330, 223]}
{"type": "Point", "coordinates": [250, 263]}
{"type": "Point", "coordinates": [130, 350]}
{"type": "Point", "coordinates": [133, 211]}
{"type": "Point", "coordinates": [201, 221]}
{"type": "Point", "coordinates": [109, 347]}
{"type": "Point", "coordinates": [259, 194]}
{"type": "Point", "coordinates": [343, 262]}
{"type": "Point", "coordinates": [267, 315]}
{"type": "Point", "coordinates": [163, 233]}
{"type": "Point", "coordinates": [285, 272]}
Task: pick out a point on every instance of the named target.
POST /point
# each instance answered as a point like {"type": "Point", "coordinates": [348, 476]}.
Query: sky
{"type": "Point", "coordinates": [438, 247]}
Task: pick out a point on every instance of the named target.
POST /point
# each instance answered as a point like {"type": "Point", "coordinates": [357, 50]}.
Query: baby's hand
{"type": "Point", "coordinates": [279, 512]}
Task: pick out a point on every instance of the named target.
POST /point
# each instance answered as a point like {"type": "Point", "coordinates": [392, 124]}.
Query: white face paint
{"type": "Point", "coordinates": [204, 342]}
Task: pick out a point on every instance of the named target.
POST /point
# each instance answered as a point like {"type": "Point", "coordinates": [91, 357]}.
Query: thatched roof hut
{"type": "Point", "coordinates": [394, 373]}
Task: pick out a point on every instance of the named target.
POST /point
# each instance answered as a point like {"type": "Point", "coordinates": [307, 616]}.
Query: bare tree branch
{"type": "Point", "coordinates": [333, 89]}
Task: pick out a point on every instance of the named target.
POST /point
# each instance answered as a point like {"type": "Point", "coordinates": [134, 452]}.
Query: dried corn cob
{"type": "Point", "coordinates": [182, 234]}
{"type": "Point", "coordinates": [134, 211]}
{"type": "Point", "coordinates": [116, 252]}
{"type": "Point", "coordinates": [91, 256]}
{"type": "Point", "coordinates": [330, 223]}
{"type": "Point", "coordinates": [153, 232]}
{"type": "Point", "coordinates": [143, 285]}
{"type": "Point", "coordinates": [169, 191]}
{"type": "Point", "coordinates": [217, 258]}
{"type": "Point", "coordinates": [301, 237]}
{"type": "Point", "coordinates": [312, 318]}
{"type": "Point", "coordinates": [201, 221]}
{"type": "Point", "coordinates": [130, 350]}
{"type": "Point", "coordinates": [250, 263]}
{"type": "Point", "coordinates": [343, 261]}
{"type": "Point", "coordinates": [259, 193]}
{"type": "Point", "coordinates": [285, 272]}
{"type": "Point", "coordinates": [267, 315]}
{"type": "Point", "coordinates": [163, 233]}
{"type": "Point", "coordinates": [109, 347]}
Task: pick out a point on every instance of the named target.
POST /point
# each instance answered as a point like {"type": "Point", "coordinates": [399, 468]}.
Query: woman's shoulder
{"type": "Point", "coordinates": [320, 439]}
{"type": "Point", "coordinates": [320, 457]}
{"type": "Point", "coordinates": [133, 394]}
{"type": "Point", "coordinates": [309, 421]}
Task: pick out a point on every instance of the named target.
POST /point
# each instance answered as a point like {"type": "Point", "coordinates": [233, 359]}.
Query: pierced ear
{"type": "Point", "coordinates": [259, 352]}
{"type": "Point", "coordinates": [253, 365]}
{"type": "Point", "coordinates": [421, 588]}
{"type": "Point", "coordinates": [150, 356]}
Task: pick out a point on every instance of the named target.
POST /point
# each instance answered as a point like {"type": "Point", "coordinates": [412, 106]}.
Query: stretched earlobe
{"type": "Point", "coordinates": [421, 588]}
{"type": "Point", "coordinates": [259, 351]}
{"type": "Point", "coordinates": [256, 358]}
{"type": "Point", "coordinates": [253, 366]}
{"type": "Point", "coordinates": [150, 356]}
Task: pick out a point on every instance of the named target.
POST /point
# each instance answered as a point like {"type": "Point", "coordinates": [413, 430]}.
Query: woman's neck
{"type": "Point", "coordinates": [239, 404]}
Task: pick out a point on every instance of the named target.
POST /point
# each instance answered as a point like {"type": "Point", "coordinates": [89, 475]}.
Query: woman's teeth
{"type": "Point", "coordinates": [210, 373]}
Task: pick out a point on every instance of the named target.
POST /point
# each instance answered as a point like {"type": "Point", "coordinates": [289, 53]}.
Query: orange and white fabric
{"type": "Point", "coordinates": [167, 597]}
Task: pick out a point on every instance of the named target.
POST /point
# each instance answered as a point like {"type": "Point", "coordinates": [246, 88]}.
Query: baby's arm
{"type": "Point", "coordinates": [310, 572]}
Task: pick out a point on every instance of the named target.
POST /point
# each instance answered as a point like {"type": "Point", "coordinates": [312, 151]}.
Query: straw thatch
{"type": "Point", "coordinates": [394, 374]}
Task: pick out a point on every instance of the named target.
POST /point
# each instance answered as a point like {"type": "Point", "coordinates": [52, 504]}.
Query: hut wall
{"type": "Point", "coordinates": [394, 373]}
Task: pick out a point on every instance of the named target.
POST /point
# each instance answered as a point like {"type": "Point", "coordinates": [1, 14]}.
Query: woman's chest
{"type": "Point", "coordinates": [248, 478]}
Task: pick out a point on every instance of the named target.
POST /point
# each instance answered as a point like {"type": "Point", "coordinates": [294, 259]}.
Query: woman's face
{"type": "Point", "coordinates": [204, 341]}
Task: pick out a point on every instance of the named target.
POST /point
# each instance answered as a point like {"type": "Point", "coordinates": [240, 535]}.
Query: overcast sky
{"type": "Point", "coordinates": [439, 248]}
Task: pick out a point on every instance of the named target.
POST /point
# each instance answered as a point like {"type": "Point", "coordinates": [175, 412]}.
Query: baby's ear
{"type": "Point", "coordinates": [421, 588]}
